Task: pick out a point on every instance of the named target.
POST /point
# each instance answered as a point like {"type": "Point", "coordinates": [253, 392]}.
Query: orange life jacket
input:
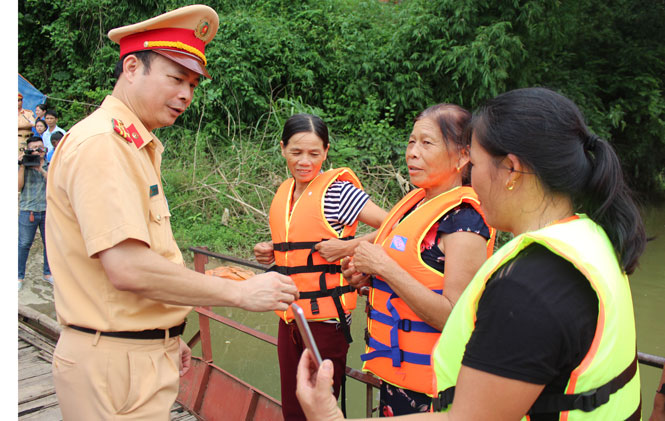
{"type": "Point", "coordinates": [324, 293]}
{"type": "Point", "coordinates": [399, 343]}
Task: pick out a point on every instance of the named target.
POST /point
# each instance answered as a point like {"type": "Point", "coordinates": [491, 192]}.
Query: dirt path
{"type": "Point", "coordinates": [37, 293]}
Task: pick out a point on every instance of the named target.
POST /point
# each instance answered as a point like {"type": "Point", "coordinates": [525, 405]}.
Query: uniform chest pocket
{"type": "Point", "coordinates": [159, 226]}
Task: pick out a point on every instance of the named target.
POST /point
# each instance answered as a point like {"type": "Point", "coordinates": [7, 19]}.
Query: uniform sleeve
{"type": "Point", "coordinates": [536, 322]}
{"type": "Point", "coordinates": [101, 182]}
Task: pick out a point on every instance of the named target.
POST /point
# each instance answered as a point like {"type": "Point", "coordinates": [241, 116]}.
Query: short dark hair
{"type": "Point", "coordinates": [52, 112]}
{"type": "Point", "coordinates": [42, 107]}
{"type": "Point", "coordinates": [547, 132]}
{"type": "Point", "coordinates": [56, 136]}
{"type": "Point", "coordinates": [146, 57]}
{"type": "Point", "coordinates": [32, 139]}
{"type": "Point", "coordinates": [305, 123]}
{"type": "Point", "coordinates": [41, 120]}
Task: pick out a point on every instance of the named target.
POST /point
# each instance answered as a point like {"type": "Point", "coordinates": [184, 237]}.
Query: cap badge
{"type": "Point", "coordinates": [202, 29]}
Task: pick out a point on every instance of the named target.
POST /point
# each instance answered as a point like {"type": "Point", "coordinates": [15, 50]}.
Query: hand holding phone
{"type": "Point", "coordinates": [306, 333]}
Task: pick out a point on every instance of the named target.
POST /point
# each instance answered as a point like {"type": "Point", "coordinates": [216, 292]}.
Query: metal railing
{"type": "Point", "coordinates": [201, 255]}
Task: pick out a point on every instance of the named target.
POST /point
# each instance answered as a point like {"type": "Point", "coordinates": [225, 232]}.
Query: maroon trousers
{"type": "Point", "coordinates": [332, 345]}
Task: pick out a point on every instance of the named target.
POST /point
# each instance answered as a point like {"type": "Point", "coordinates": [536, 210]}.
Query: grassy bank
{"type": "Point", "coordinates": [220, 189]}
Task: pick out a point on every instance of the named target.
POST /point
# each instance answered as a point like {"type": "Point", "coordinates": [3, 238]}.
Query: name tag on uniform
{"type": "Point", "coordinates": [154, 190]}
{"type": "Point", "coordinates": [398, 243]}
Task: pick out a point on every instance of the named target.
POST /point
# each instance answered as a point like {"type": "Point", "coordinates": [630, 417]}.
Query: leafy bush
{"type": "Point", "coordinates": [367, 68]}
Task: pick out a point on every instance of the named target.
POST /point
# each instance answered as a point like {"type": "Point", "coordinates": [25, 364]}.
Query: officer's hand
{"type": "Point", "coordinates": [267, 291]}
{"type": "Point", "coordinates": [264, 253]}
{"type": "Point", "coordinates": [185, 357]}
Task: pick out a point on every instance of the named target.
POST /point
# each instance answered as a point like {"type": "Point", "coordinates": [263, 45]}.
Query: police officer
{"type": "Point", "coordinates": [122, 291]}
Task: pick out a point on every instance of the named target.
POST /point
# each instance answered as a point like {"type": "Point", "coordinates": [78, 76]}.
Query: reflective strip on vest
{"type": "Point", "coordinates": [583, 243]}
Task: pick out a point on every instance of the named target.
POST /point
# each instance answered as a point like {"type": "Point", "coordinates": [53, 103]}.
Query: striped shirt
{"type": "Point", "coordinates": [342, 204]}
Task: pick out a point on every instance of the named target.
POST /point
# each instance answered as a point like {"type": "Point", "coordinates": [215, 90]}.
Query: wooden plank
{"type": "Point", "coordinates": [28, 371]}
{"type": "Point", "coordinates": [30, 336]}
{"type": "Point", "coordinates": [42, 404]}
{"type": "Point", "coordinates": [46, 414]}
{"type": "Point", "coordinates": [35, 388]}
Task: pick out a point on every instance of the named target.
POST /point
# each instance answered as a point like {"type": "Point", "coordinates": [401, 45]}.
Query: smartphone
{"type": "Point", "coordinates": [306, 333]}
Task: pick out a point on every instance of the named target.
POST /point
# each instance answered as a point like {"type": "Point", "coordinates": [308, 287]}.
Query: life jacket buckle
{"type": "Point", "coordinates": [591, 400]}
{"type": "Point", "coordinates": [366, 336]}
{"type": "Point", "coordinates": [405, 325]}
{"type": "Point", "coordinates": [314, 304]}
{"type": "Point", "coordinates": [368, 308]}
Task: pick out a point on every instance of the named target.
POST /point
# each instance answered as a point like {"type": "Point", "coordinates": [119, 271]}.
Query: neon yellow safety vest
{"type": "Point", "coordinates": [606, 384]}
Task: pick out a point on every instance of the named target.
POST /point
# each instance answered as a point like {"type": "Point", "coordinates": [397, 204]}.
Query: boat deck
{"type": "Point", "coordinates": [36, 392]}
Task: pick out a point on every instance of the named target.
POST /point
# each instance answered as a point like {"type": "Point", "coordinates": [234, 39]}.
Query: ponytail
{"type": "Point", "coordinates": [608, 201]}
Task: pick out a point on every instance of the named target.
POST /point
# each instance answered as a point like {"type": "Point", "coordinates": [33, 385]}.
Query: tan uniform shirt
{"type": "Point", "coordinates": [26, 119]}
{"type": "Point", "coordinates": [104, 188]}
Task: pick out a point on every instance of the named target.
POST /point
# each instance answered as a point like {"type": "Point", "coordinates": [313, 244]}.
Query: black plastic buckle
{"type": "Point", "coordinates": [314, 305]}
{"type": "Point", "coordinates": [591, 400]}
{"type": "Point", "coordinates": [436, 402]}
{"type": "Point", "coordinates": [368, 308]}
{"type": "Point", "coordinates": [367, 336]}
{"type": "Point", "coordinates": [405, 325]}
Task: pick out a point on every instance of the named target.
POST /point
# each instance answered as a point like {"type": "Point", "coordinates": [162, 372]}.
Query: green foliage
{"type": "Point", "coordinates": [367, 68]}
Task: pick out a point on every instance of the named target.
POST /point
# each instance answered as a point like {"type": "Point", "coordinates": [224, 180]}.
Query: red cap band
{"type": "Point", "coordinates": [165, 38]}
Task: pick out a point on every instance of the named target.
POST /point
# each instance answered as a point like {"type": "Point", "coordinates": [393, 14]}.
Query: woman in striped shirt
{"type": "Point", "coordinates": [311, 206]}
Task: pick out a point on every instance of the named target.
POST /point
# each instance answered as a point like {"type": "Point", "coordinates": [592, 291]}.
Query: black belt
{"type": "Point", "coordinates": [141, 334]}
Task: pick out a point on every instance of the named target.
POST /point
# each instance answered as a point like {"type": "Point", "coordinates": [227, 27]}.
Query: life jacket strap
{"type": "Point", "coordinates": [587, 401]}
{"type": "Point", "coordinates": [294, 270]}
{"type": "Point", "coordinates": [383, 286]}
{"type": "Point", "coordinates": [301, 245]}
{"type": "Point", "coordinates": [330, 292]}
{"type": "Point", "coordinates": [554, 403]}
{"type": "Point", "coordinates": [405, 325]}
{"type": "Point", "coordinates": [335, 293]}
{"type": "Point", "coordinates": [443, 399]}
{"type": "Point", "coordinates": [395, 354]}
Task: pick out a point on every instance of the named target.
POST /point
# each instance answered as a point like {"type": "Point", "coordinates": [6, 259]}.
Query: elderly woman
{"type": "Point", "coordinates": [546, 327]}
{"type": "Point", "coordinates": [309, 207]}
{"type": "Point", "coordinates": [423, 256]}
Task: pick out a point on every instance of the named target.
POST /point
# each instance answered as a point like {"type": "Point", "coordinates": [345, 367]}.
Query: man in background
{"type": "Point", "coordinates": [32, 175]}
{"type": "Point", "coordinates": [51, 118]}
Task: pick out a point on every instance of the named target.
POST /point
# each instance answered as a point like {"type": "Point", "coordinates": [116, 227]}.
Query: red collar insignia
{"type": "Point", "coordinates": [130, 134]}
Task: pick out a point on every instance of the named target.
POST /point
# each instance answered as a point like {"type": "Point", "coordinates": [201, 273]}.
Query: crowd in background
{"type": "Point", "coordinates": [38, 137]}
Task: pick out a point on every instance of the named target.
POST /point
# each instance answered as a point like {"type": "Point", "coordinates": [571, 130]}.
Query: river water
{"type": "Point", "coordinates": [256, 362]}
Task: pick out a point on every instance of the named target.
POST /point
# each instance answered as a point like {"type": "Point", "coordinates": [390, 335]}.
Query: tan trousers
{"type": "Point", "coordinates": [102, 378]}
